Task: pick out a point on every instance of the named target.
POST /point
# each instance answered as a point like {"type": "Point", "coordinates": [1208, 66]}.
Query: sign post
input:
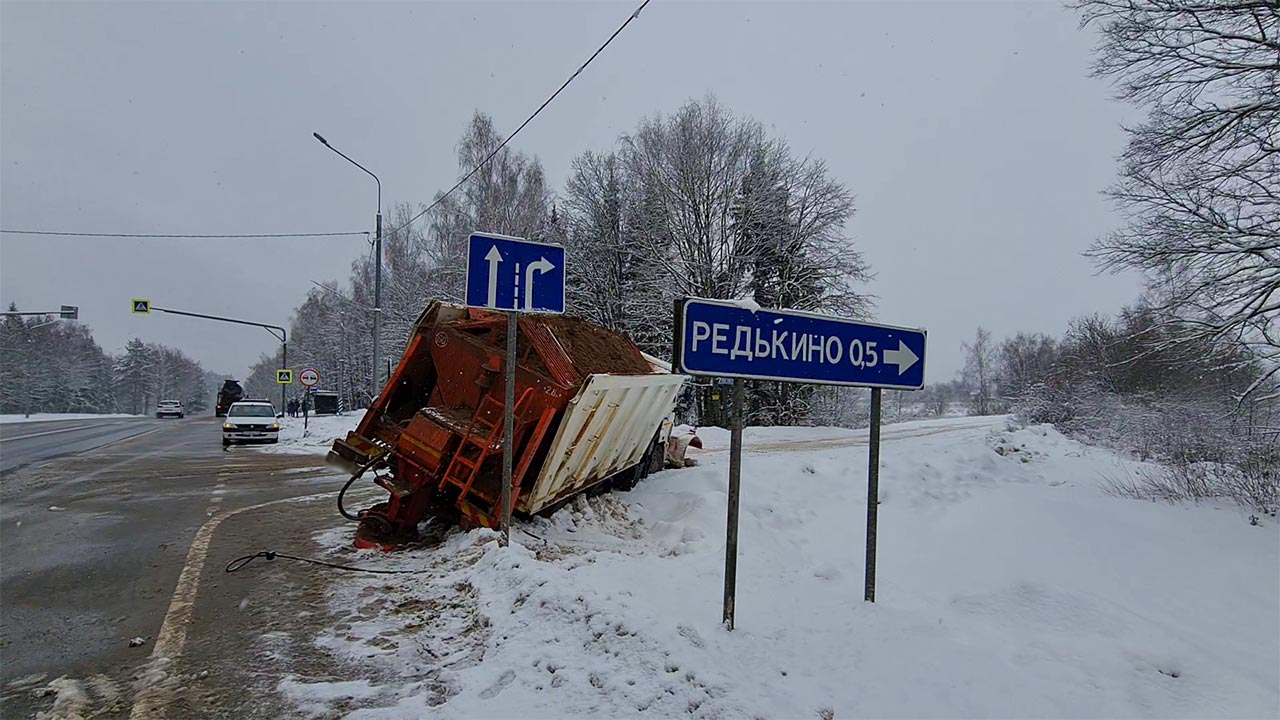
{"type": "Point", "coordinates": [741, 341]}
{"type": "Point", "coordinates": [310, 377]}
{"type": "Point", "coordinates": [735, 486]}
{"type": "Point", "coordinates": [873, 496]}
{"type": "Point", "coordinates": [513, 275]}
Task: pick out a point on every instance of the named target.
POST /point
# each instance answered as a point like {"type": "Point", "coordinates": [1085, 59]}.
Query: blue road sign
{"type": "Point", "coordinates": [726, 339]}
{"type": "Point", "coordinates": [506, 273]}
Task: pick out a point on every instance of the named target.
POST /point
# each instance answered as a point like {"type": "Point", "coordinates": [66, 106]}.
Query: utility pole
{"type": "Point", "coordinates": [377, 270]}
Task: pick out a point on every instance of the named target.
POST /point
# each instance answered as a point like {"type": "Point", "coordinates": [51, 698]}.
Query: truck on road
{"type": "Point", "coordinates": [230, 394]}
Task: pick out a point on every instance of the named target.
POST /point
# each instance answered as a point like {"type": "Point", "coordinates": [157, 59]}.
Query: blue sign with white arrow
{"type": "Point", "coordinates": [727, 339]}
{"type": "Point", "coordinates": [506, 273]}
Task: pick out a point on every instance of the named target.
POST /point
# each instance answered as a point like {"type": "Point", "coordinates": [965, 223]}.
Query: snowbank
{"type": "Point", "coordinates": [51, 417]}
{"type": "Point", "coordinates": [319, 434]}
{"type": "Point", "coordinates": [1009, 585]}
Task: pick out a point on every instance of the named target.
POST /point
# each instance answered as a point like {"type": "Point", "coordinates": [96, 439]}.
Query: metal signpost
{"type": "Point", "coordinates": [144, 307]}
{"type": "Point", "coordinates": [513, 275]}
{"type": "Point", "coordinates": [734, 340]}
{"type": "Point", "coordinates": [309, 378]}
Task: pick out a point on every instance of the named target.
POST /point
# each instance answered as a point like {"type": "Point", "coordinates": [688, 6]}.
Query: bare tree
{"type": "Point", "coordinates": [980, 373]}
{"type": "Point", "coordinates": [1200, 178]}
{"type": "Point", "coordinates": [1022, 361]}
{"type": "Point", "coordinates": [507, 195]}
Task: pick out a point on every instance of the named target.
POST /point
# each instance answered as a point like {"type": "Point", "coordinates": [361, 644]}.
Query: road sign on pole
{"type": "Point", "coordinates": [309, 377]}
{"type": "Point", "coordinates": [725, 339]}
{"type": "Point", "coordinates": [70, 312]}
{"type": "Point", "coordinates": [514, 275]}
{"type": "Point", "coordinates": [506, 273]}
{"type": "Point", "coordinates": [141, 307]}
{"type": "Point", "coordinates": [284, 377]}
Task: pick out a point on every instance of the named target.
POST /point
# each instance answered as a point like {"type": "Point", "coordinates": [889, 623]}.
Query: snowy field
{"type": "Point", "coordinates": [50, 417]}
{"type": "Point", "coordinates": [318, 436]}
{"type": "Point", "coordinates": [1009, 585]}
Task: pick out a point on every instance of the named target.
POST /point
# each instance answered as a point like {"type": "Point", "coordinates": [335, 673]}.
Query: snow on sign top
{"type": "Point", "coordinates": [507, 273]}
{"type": "Point", "coordinates": [309, 377]}
{"type": "Point", "coordinates": [735, 339]}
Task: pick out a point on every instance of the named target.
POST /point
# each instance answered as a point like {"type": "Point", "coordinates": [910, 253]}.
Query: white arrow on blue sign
{"type": "Point", "coordinates": [726, 339]}
{"type": "Point", "coordinates": [507, 273]}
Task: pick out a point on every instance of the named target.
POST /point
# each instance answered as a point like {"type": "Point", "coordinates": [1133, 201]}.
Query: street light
{"type": "Point", "coordinates": [377, 266]}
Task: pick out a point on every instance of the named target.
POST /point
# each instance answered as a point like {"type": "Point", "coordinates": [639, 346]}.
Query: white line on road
{"type": "Point", "coordinates": [154, 696]}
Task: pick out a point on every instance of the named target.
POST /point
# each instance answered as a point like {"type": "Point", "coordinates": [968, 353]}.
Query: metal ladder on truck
{"type": "Point", "coordinates": [482, 439]}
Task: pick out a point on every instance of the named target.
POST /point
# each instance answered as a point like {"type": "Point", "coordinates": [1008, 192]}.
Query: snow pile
{"type": "Point", "coordinates": [319, 435]}
{"type": "Point", "coordinates": [1010, 585]}
{"type": "Point", "coordinates": [52, 417]}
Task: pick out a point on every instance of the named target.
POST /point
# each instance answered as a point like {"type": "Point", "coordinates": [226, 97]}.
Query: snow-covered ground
{"type": "Point", "coordinates": [1009, 585]}
{"type": "Point", "coordinates": [50, 417]}
{"type": "Point", "coordinates": [318, 436]}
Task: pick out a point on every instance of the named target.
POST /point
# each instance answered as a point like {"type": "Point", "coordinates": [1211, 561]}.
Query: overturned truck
{"type": "Point", "coordinates": [591, 411]}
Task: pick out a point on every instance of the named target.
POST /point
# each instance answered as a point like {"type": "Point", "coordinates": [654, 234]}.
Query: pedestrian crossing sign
{"type": "Point", "coordinates": [141, 307]}
{"type": "Point", "coordinates": [284, 377]}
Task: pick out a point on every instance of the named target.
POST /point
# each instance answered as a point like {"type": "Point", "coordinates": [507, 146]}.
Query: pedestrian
{"type": "Point", "coordinates": [293, 408]}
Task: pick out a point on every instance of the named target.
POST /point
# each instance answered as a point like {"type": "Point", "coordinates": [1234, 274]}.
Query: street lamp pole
{"type": "Point", "coordinates": [377, 269]}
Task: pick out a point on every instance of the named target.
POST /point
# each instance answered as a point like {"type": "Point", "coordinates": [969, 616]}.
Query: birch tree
{"type": "Point", "coordinates": [507, 195]}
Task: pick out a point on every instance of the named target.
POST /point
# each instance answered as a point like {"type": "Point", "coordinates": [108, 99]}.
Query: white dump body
{"type": "Point", "coordinates": [606, 428]}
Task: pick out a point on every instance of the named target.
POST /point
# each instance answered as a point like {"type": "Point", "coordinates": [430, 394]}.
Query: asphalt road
{"type": "Point", "coordinates": [24, 443]}
{"type": "Point", "coordinates": [94, 542]}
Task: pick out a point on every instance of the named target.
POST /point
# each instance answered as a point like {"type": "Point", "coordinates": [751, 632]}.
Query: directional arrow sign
{"type": "Point", "coordinates": [506, 273]}
{"type": "Point", "coordinates": [726, 339]}
{"type": "Point", "coordinates": [495, 258]}
{"type": "Point", "coordinates": [902, 357]}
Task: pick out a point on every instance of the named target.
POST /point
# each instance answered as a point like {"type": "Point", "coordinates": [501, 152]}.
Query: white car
{"type": "Point", "coordinates": [251, 420]}
{"type": "Point", "coordinates": [169, 408]}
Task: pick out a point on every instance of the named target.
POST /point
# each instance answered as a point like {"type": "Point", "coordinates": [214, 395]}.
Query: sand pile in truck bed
{"type": "Point", "coordinates": [594, 349]}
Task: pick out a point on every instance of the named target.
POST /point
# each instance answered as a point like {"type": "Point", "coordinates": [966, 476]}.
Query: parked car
{"type": "Point", "coordinates": [251, 421]}
{"type": "Point", "coordinates": [169, 408]}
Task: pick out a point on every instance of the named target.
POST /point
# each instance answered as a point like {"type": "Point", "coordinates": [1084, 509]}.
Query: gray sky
{"type": "Point", "coordinates": [970, 133]}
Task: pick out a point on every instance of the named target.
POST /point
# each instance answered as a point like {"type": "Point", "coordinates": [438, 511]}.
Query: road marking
{"type": "Point", "coordinates": [64, 430]}
{"type": "Point", "coordinates": [154, 697]}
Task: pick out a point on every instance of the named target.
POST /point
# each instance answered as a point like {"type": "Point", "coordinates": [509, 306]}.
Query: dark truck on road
{"type": "Point", "coordinates": [230, 393]}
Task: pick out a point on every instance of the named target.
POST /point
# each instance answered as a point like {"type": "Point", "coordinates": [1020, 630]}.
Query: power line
{"type": "Point", "coordinates": [413, 219]}
{"type": "Point", "coordinates": [528, 120]}
{"type": "Point", "coordinates": [188, 236]}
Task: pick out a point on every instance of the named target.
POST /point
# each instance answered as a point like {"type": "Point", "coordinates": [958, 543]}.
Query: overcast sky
{"type": "Point", "coordinates": [970, 133]}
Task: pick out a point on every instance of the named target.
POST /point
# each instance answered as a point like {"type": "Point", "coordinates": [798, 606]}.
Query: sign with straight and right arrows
{"type": "Point", "coordinates": [507, 273]}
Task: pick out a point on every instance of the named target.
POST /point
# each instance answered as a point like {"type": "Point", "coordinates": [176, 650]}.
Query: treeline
{"type": "Point", "coordinates": [701, 202]}
{"type": "Point", "coordinates": [53, 366]}
{"type": "Point", "coordinates": [1205, 408]}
